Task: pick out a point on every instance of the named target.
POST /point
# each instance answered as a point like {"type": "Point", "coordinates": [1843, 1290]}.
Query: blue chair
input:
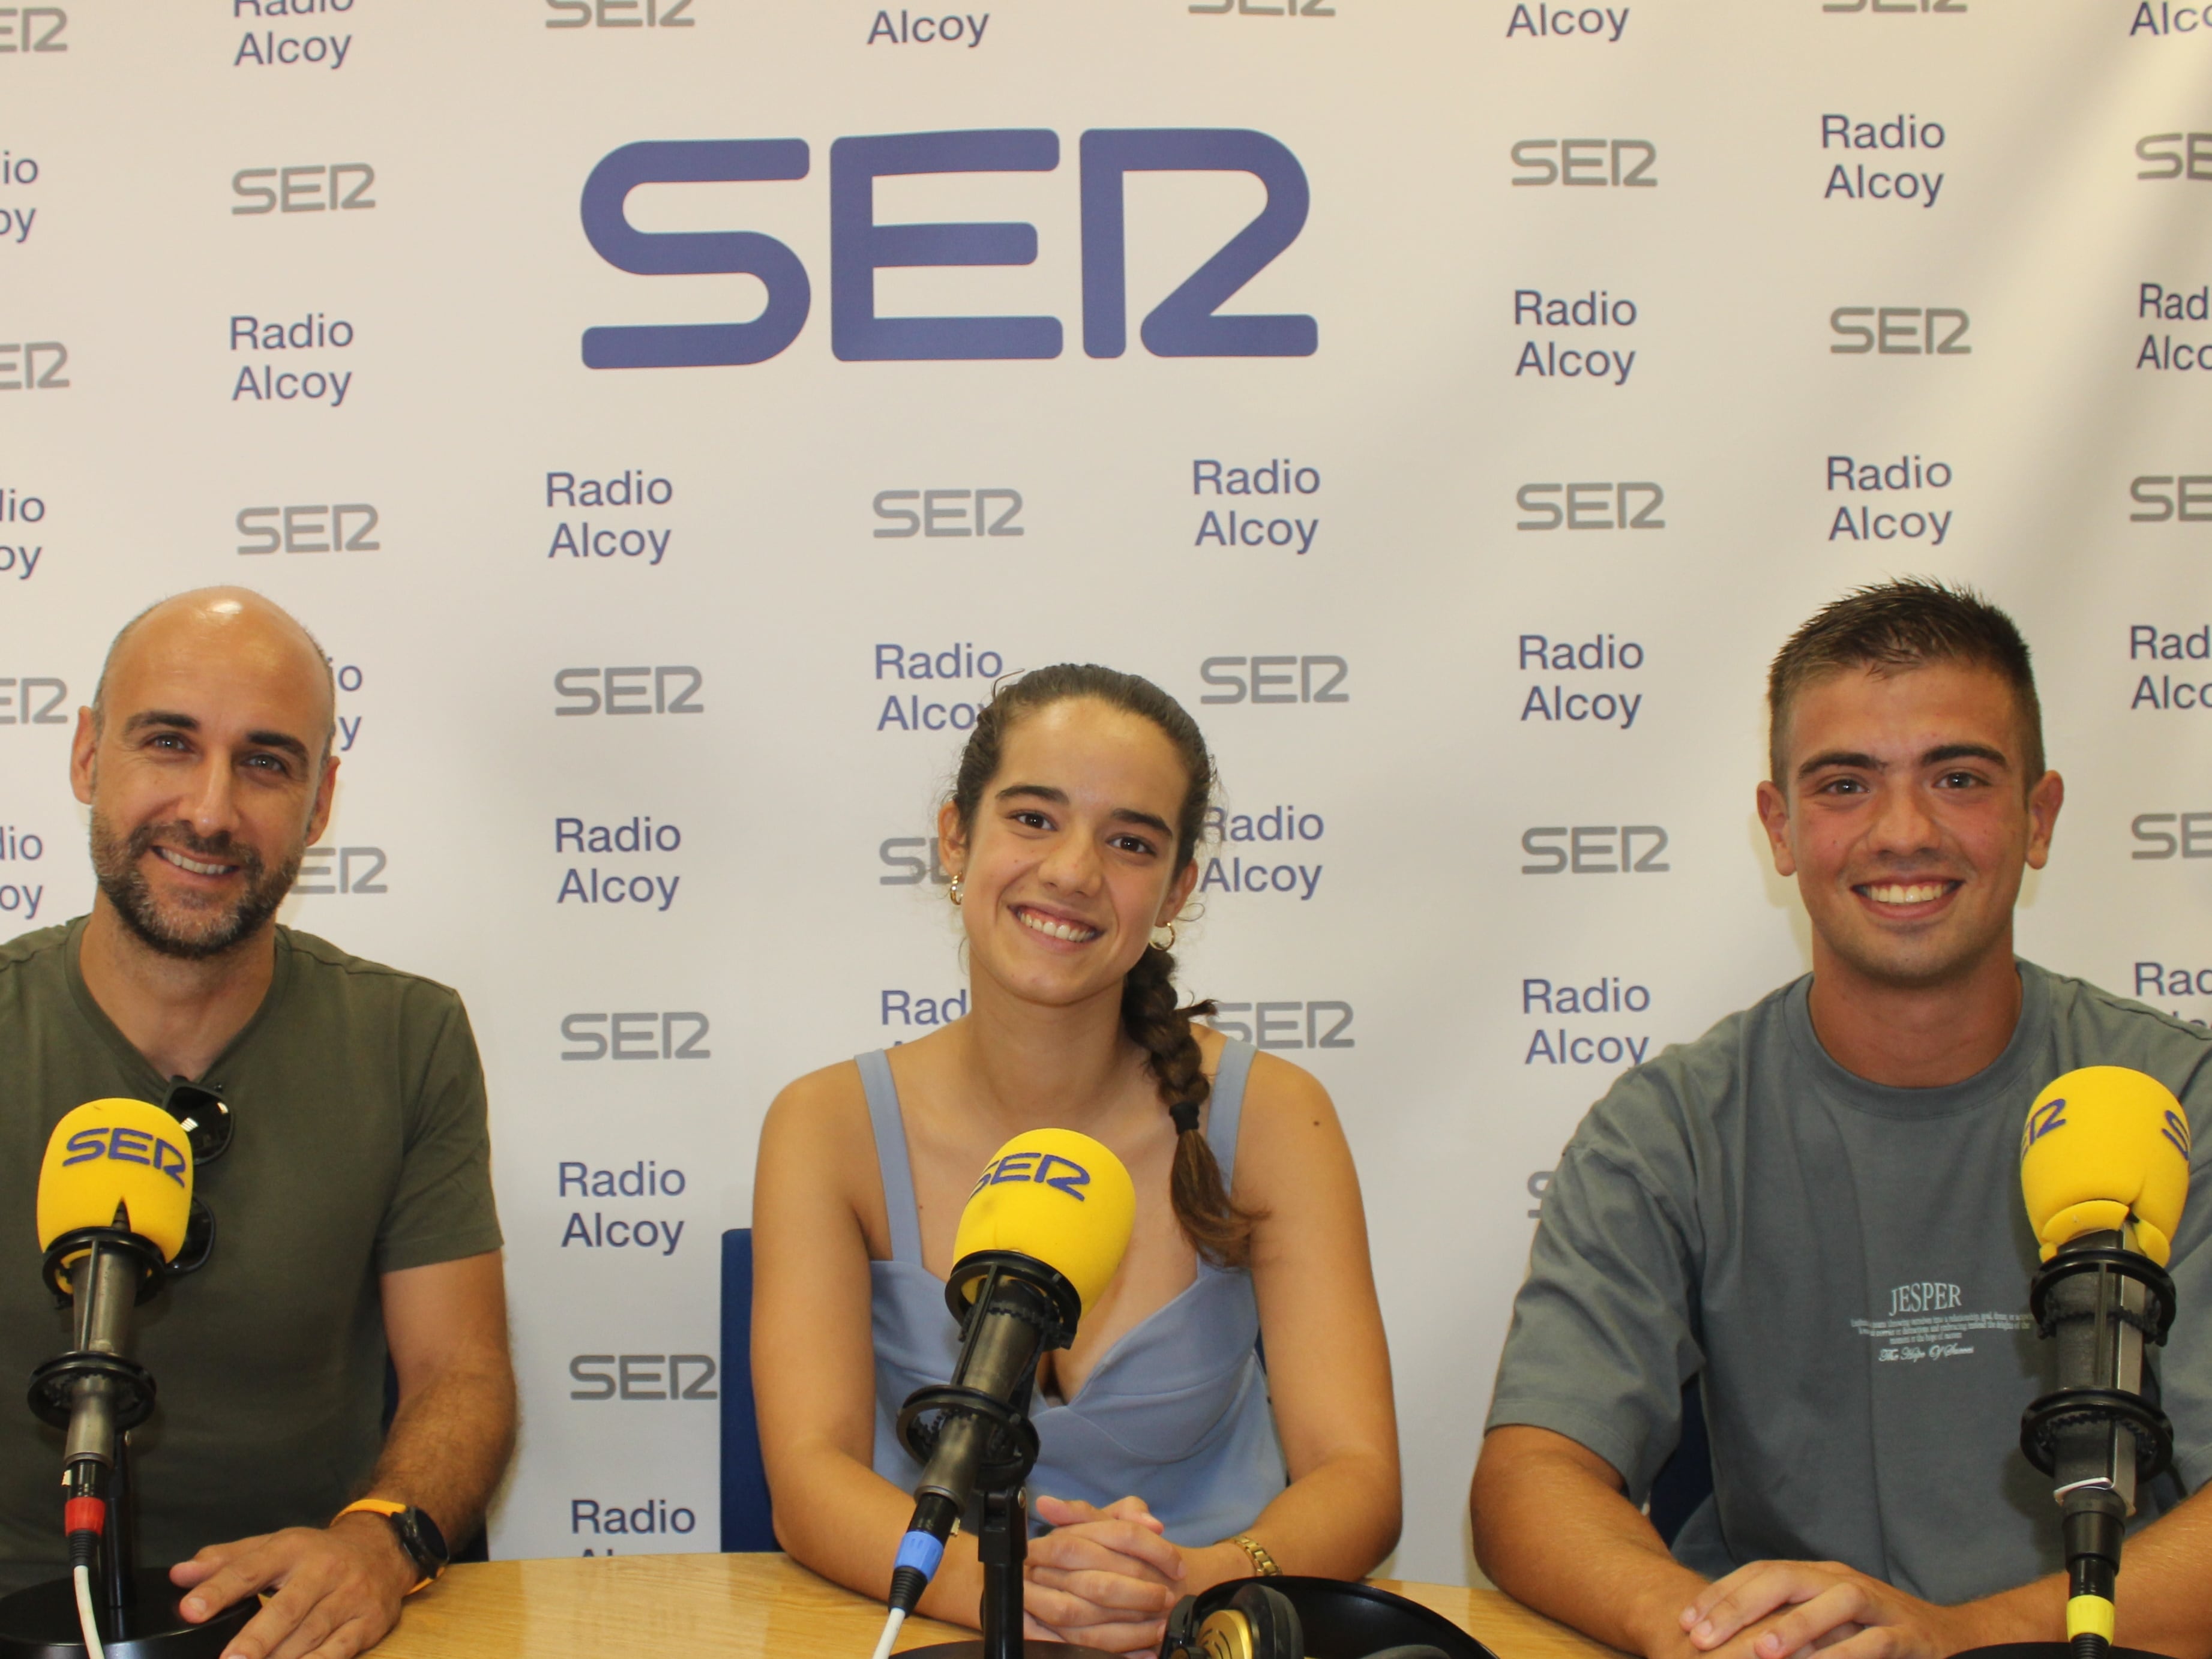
{"type": "Point", "coordinates": [1686, 1480]}
{"type": "Point", "coordinates": [747, 1520]}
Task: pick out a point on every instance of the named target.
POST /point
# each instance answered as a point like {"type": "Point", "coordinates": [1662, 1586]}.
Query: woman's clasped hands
{"type": "Point", "coordinates": [1102, 1578]}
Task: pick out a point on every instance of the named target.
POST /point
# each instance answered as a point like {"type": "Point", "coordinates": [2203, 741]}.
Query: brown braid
{"type": "Point", "coordinates": [1218, 1228]}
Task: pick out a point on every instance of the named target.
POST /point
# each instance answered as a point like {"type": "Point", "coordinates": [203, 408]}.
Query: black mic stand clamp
{"type": "Point", "coordinates": [2101, 1303]}
{"type": "Point", "coordinates": [137, 1610]}
{"type": "Point", "coordinates": [1006, 1280]}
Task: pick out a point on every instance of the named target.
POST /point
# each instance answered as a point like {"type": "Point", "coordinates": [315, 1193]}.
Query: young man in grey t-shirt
{"type": "Point", "coordinates": [1815, 1211]}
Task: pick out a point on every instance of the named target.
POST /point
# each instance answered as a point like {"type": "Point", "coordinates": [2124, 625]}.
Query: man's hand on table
{"type": "Point", "coordinates": [1778, 1609]}
{"type": "Point", "coordinates": [335, 1590]}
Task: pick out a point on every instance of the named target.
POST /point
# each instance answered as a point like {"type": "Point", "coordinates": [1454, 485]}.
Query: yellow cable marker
{"type": "Point", "coordinates": [2101, 1145]}
{"type": "Point", "coordinates": [1056, 1195]}
{"type": "Point", "coordinates": [108, 1153]}
{"type": "Point", "coordinates": [2090, 1615]}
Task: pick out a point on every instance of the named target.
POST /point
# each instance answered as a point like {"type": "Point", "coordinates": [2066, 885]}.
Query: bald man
{"type": "Point", "coordinates": [342, 1150]}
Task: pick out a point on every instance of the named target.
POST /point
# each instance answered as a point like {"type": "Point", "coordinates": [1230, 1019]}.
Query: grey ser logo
{"type": "Point", "coordinates": [1600, 505]}
{"type": "Point", "coordinates": [1899, 330]}
{"type": "Point", "coordinates": [33, 28]}
{"type": "Point", "coordinates": [20, 369]}
{"type": "Point", "coordinates": [944, 513]}
{"type": "Point", "coordinates": [1583, 161]}
{"type": "Point", "coordinates": [642, 1376]}
{"type": "Point", "coordinates": [664, 689]}
{"type": "Point", "coordinates": [2184, 498]}
{"type": "Point", "coordinates": [647, 1035]}
{"type": "Point", "coordinates": [330, 880]}
{"type": "Point", "coordinates": [2194, 842]}
{"type": "Point", "coordinates": [1595, 849]}
{"type": "Point", "coordinates": [342, 527]}
{"type": "Point", "coordinates": [16, 708]}
{"type": "Point", "coordinates": [314, 187]}
{"type": "Point", "coordinates": [1275, 679]}
{"type": "Point", "coordinates": [1287, 1024]}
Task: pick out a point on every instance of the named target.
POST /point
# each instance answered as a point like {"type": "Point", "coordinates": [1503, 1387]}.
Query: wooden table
{"type": "Point", "coordinates": [767, 1606]}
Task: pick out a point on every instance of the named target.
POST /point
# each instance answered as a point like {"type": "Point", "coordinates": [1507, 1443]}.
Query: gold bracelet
{"type": "Point", "coordinates": [1263, 1564]}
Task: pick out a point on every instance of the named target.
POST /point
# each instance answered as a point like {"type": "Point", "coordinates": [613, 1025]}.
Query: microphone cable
{"type": "Point", "coordinates": [882, 1643]}
{"type": "Point", "coordinates": [84, 1518]}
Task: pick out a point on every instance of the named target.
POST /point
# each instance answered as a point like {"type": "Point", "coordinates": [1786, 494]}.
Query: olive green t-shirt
{"type": "Point", "coordinates": [359, 1148]}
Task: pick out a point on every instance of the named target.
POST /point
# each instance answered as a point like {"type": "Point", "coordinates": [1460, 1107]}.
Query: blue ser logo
{"type": "Point", "coordinates": [1046, 1169]}
{"type": "Point", "coordinates": [2051, 1114]}
{"type": "Point", "coordinates": [126, 1146]}
{"type": "Point", "coordinates": [1184, 324]}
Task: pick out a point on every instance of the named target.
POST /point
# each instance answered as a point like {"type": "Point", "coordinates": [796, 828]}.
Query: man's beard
{"type": "Point", "coordinates": [199, 933]}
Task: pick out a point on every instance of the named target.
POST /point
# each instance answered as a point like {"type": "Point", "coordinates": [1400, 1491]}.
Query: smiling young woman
{"type": "Point", "coordinates": [1173, 1458]}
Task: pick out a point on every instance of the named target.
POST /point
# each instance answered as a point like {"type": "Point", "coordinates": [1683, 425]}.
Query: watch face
{"type": "Point", "coordinates": [420, 1534]}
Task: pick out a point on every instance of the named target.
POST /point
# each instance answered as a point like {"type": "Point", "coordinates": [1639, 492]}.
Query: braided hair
{"type": "Point", "coordinates": [1217, 1226]}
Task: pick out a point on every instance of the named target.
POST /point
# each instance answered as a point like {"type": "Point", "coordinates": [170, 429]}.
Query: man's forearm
{"type": "Point", "coordinates": [1553, 1532]}
{"type": "Point", "coordinates": [450, 1442]}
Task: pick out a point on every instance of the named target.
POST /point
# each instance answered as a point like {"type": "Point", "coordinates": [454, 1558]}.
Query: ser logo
{"type": "Point", "coordinates": [1249, 9]}
{"type": "Point", "coordinates": [667, 689]}
{"type": "Point", "coordinates": [1595, 163]}
{"type": "Point", "coordinates": [1595, 849]}
{"type": "Point", "coordinates": [1601, 506]}
{"type": "Point", "coordinates": [1899, 330]}
{"type": "Point", "coordinates": [2194, 841]}
{"type": "Point", "coordinates": [316, 862]}
{"type": "Point", "coordinates": [642, 1376]}
{"type": "Point", "coordinates": [122, 1146]}
{"type": "Point", "coordinates": [1287, 1024]}
{"type": "Point", "coordinates": [2173, 498]}
{"type": "Point", "coordinates": [343, 527]}
{"type": "Point", "coordinates": [317, 188]}
{"type": "Point", "coordinates": [1062, 1175]}
{"type": "Point", "coordinates": [17, 696]}
{"type": "Point", "coordinates": [647, 1035]}
{"type": "Point", "coordinates": [620, 14]}
{"type": "Point", "coordinates": [2041, 1121]}
{"type": "Point", "coordinates": [33, 28]}
{"type": "Point", "coordinates": [2176, 156]}
{"type": "Point", "coordinates": [1275, 679]}
{"type": "Point", "coordinates": [944, 513]}
{"type": "Point", "coordinates": [1184, 324]}
{"type": "Point", "coordinates": [1894, 5]}
{"type": "Point", "coordinates": [32, 365]}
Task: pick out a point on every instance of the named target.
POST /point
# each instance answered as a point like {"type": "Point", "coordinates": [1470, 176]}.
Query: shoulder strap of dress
{"type": "Point", "coordinates": [890, 1155]}
{"type": "Point", "coordinates": [1225, 1106]}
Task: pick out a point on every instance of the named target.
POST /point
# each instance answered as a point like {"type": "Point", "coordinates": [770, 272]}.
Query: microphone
{"type": "Point", "coordinates": [115, 1194]}
{"type": "Point", "coordinates": [2104, 1167]}
{"type": "Point", "coordinates": [1041, 1237]}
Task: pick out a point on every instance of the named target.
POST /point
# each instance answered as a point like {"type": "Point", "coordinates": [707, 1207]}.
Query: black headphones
{"type": "Point", "coordinates": [1300, 1618]}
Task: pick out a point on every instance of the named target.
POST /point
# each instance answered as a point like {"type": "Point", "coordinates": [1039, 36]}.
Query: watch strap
{"type": "Point", "coordinates": [391, 1512]}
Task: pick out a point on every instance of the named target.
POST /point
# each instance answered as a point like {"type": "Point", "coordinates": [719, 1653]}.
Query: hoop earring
{"type": "Point", "coordinates": [1169, 946]}
{"type": "Point", "coordinates": [955, 895]}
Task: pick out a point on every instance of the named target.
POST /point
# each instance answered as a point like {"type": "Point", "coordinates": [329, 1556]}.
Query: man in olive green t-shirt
{"type": "Point", "coordinates": [352, 1205]}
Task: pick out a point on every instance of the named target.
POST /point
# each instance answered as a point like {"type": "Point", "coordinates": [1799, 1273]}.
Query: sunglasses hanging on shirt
{"type": "Point", "coordinates": [204, 1116]}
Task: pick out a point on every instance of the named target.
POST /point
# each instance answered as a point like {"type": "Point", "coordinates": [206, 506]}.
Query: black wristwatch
{"type": "Point", "coordinates": [418, 1536]}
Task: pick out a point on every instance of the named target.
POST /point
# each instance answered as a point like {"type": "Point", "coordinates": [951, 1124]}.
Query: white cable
{"type": "Point", "coordinates": [86, 1621]}
{"type": "Point", "coordinates": [883, 1646]}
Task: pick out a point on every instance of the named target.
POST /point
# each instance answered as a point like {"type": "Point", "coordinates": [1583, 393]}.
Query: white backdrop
{"type": "Point", "coordinates": [176, 179]}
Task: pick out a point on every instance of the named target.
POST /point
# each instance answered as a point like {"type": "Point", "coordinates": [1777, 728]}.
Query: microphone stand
{"type": "Point", "coordinates": [1001, 1518]}
{"type": "Point", "coordinates": [2103, 1302]}
{"type": "Point", "coordinates": [136, 1608]}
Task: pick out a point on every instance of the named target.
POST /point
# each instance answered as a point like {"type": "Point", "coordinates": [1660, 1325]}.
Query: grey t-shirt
{"type": "Point", "coordinates": [1845, 1267]}
{"type": "Point", "coordinates": [361, 1150]}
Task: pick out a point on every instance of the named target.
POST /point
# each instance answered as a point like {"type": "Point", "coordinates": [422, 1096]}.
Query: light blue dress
{"type": "Point", "coordinates": [1177, 1411]}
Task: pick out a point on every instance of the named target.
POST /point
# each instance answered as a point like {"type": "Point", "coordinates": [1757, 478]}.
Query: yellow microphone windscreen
{"type": "Point", "coordinates": [2100, 1145]}
{"type": "Point", "coordinates": [110, 1153]}
{"type": "Point", "coordinates": [1057, 1196]}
